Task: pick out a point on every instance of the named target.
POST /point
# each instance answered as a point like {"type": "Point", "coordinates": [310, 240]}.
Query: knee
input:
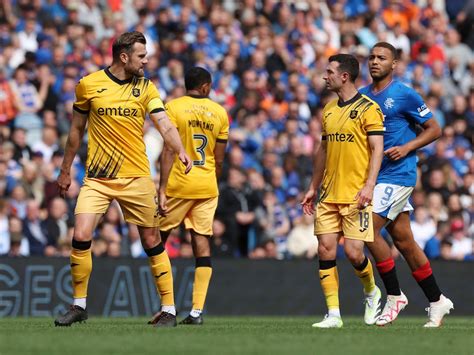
{"type": "Point", "coordinates": [355, 256]}
{"type": "Point", "coordinates": [325, 251]}
{"type": "Point", "coordinates": [150, 241]}
{"type": "Point", "coordinates": [404, 245]}
{"type": "Point", "coordinates": [81, 235]}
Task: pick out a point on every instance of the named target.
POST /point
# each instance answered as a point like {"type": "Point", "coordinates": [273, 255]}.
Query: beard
{"type": "Point", "coordinates": [380, 76]}
{"type": "Point", "coordinates": [135, 72]}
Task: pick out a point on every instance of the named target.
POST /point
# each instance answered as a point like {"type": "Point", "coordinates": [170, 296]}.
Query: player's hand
{"type": "Point", "coordinates": [162, 203]}
{"type": "Point", "coordinates": [364, 196]}
{"type": "Point", "coordinates": [64, 181]}
{"type": "Point", "coordinates": [186, 160]}
{"type": "Point", "coordinates": [396, 153]}
{"type": "Point", "coordinates": [308, 202]}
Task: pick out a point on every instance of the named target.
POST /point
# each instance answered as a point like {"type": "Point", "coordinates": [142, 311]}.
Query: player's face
{"type": "Point", "coordinates": [334, 79]}
{"type": "Point", "coordinates": [137, 60]}
{"type": "Point", "coordinates": [381, 63]}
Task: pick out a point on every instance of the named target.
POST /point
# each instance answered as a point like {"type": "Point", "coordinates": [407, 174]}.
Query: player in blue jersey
{"type": "Point", "coordinates": [404, 109]}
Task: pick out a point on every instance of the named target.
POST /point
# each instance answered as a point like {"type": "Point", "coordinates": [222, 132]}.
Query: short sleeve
{"type": "Point", "coordinates": [153, 102]}
{"type": "Point", "coordinates": [415, 108]}
{"type": "Point", "coordinates": [82, 103]}
{"type": "Point", "coordinates": [223, 135]}
{"type": "Point", "coordinates": [373, 120]}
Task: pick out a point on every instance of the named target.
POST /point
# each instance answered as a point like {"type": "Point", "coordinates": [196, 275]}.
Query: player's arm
{"type": "Point", "coordinates": [171, 137]}
{"type": "Point", "coordinates": [219, 153]}
{"type": "Point", "coordinates": [74, 140]}
{"type": "Point", "coordinates": [166, 163]}
{"type": "Point", "coordinates": [319, 164]}
{"type": "Point", "coordinates": [431, 132]}
{"type": "Point", "coordinates": [364, 196]}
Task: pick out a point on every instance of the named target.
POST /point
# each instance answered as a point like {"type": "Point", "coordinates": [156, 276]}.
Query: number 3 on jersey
{"type": "Point", "coordinates": [200, 149]}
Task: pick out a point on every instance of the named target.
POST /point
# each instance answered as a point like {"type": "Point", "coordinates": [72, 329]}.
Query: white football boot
{"type": "Point", "coordinates": [393, 306]}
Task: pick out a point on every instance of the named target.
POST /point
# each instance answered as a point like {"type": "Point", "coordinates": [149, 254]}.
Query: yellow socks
{"type": "Point", "coordinates": [202, 277]}
{"type": "Point", "coordinates": [329, 279]}
{"type": "Point", "coordinates": [81, 268]}
{"type": "Point", "coordinates": [366, 275]}
{"type": "Point", "coordinates": [161, 270]}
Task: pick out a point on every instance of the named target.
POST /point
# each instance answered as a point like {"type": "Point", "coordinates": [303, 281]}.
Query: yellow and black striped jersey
{"type": "Point", "coordinates": [201, 123]}
{"type": "Point", "coordinates": [345, 128]}
{"type": "Point", "coordinates": [116, 112]}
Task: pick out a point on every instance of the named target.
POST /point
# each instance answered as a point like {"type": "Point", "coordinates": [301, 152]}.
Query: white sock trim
{"type": "Point", "coordinates": [81, 302]}
{"type": "Point", "coordinates": [335, 312]}
{"type": "Point", "coordinates": [169, 309]}
{"type": "Point", "coordinates": [195, 313]}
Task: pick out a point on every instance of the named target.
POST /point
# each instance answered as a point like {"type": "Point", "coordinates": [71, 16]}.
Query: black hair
{"type": "Point", "coordinates": [347, 63]}
{"type": "Point", "coordinates": [196, 77]}
{"type": "Point", "coordinates": [388, 46]}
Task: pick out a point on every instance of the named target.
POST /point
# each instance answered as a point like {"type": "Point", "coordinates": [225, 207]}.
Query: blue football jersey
{"type": "Point", "coordinates": [403, 108]}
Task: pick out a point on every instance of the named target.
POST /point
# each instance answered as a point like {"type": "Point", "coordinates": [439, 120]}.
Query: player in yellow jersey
{"type": "Point", "coordinates": [346, 165]}
{"type": "Point", "coordinates": [113, 103]}
{"type": "Point", "coordinates": [203, 126]}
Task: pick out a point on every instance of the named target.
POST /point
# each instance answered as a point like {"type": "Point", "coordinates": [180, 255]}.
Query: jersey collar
{"type": "Point", "coordinates": [380, 91]}
{"type": "Point", "coordinates": [115, 79]}
{"type": "Point", "coordinates": [350, 101]}
{"type": "Point", "coordinates": [197, 96]}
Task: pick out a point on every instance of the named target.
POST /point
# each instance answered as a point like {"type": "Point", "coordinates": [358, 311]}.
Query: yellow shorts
{"type": "Point", "coordinates": [346, 218]}
{"type": "Point", "coordinates": [136, 196]}
{"type": "Point", "coordinates": [197, 214]}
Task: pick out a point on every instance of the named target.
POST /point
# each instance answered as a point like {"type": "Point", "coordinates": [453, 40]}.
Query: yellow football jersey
{"type": "Point", "coordinates": [116, 113]}
{"type": "Point", "coordinates": [346, 127]}
{"type": "Point", "coordinates": [201, 123]}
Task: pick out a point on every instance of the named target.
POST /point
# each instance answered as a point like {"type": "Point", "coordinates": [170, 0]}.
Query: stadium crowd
{"type": "Point", "coordinates": [268, 59]}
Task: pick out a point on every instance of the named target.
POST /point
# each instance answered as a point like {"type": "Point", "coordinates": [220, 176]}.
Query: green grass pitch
{"type": "Point", "coordinates": [235, 335]}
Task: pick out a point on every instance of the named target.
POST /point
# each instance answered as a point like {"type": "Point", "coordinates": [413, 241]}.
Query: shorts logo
{"type": "Point", "coordinates": [136, 92]}
{"type": "Point", "coordinates": [353, 114]}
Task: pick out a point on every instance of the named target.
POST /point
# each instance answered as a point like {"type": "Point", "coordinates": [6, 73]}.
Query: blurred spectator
{"type": "Point", "coordinates": [4, 230]}
{"type": "Point", "coordinates": [8, 108]}
{"type": "Point", "coordinates": [34, 231]}
{"type": "Point", "coordinates": [461, 245]}
{"type": "Point", "coordinates": [237, 209]}
{"type": "Point", "coordinates": [273, 223]}
{"type": "Point", "coordinates": [423, 227]}
{"type": "Point", "coordinates": [28, 103]}
{"type": "Point", "coordinates": [302, 243]}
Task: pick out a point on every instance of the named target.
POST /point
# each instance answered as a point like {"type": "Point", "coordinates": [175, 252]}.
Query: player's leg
{"type": "Point", "coordinates": [329, 280]}
{"type": "Point", "coordinates": [199, 220]}
{"type": "Point", "coordinates": [354, 250]}
{"type": "Point", "coordinates": [139, 202]}
{"type": "Point", "coordinates": [357, 229]}
{"type": "Point", "coordinates": [92, 202]}
{"type": "Point", "coordinates": [327, 228]}
{"type": "Point", "coordinates": [396, 299]}
{"type": "Point", "coordinates": [202, 277]}
{"type": "Point", "coordinates": [160, 267]}
{"type": "Point", "coordinates": [402, 235]}
{"type": "Point", "coordinates": [388, 201]}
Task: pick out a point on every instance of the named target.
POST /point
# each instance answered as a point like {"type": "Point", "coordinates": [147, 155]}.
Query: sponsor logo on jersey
{"type": "Point", "coordinates": [340, 137]}
{"type": "Point", "coordinates": [423, 110]}
{"type": "Point", "coordinates": [117, 111]}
